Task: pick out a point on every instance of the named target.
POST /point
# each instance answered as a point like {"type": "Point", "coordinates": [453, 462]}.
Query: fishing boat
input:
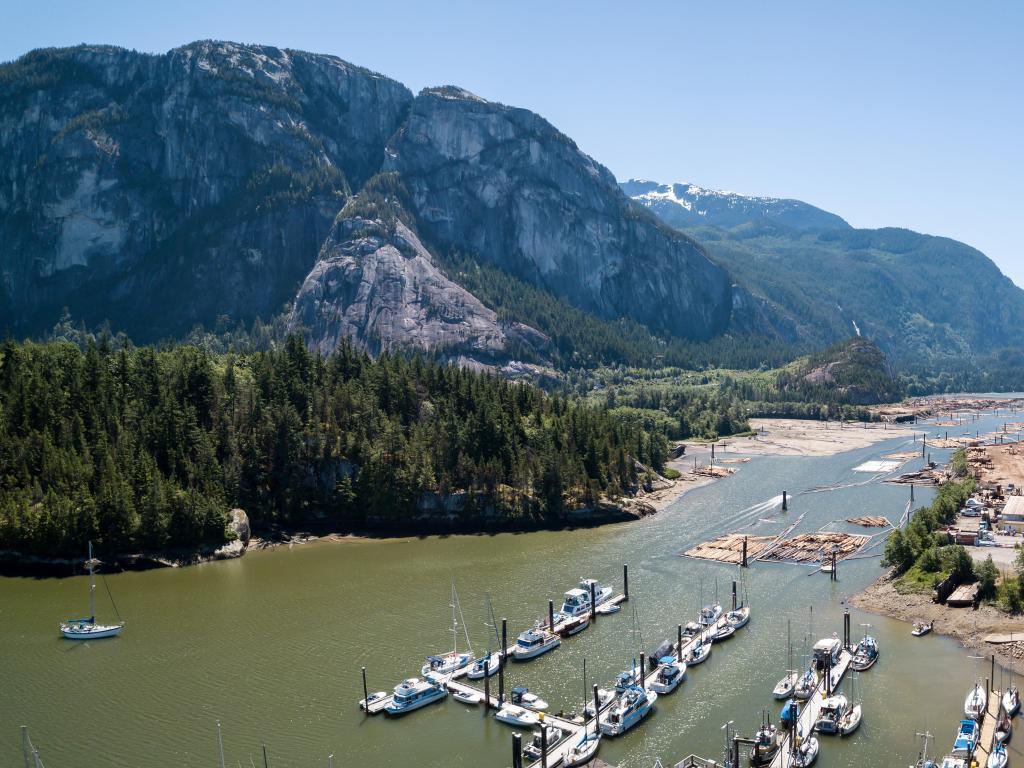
{"type": "Point", "coordinates": [766, 744]}
{"type": "Point", "coordinates": [723, 632]}
{"type": "Point", "coordinates": [606, 609]}
{"type": "Point", "coordinates": [455, 662]}
{"type": "Point", "coordinates": [738, 617]}
{"type": "Point", "coordinates": [604, 697]}
{"type": "Point", "coordinates": [602, 594]}
{"type": "Point", "coordinates": [1004, 727]}
{"type": "Point", "coordinates": [669, 675]}
{"type": "Point", "coordinates": [998, 758]}
{"type": "Point", "coordinates": [632, 706]}
{"type": "Point", "coordinates": [806, 684]}
{"type": "Point", "coordinates": [921, 628]}
{"type": "Point", "coordinates": [806, 754]}
{"type": "Point", "coordinates": [698, 654]}
{"type": "Point", "coordinates": [710, 614]}
{"type": "Point", "coordinates": [966, 738]}
{"type": "Point", "coordinates": [87, 628]}
{"type": "Point", "coordinates": [468, 697]}
{"type": "Point", "coordinates": [976, 702]}
{"type": "Point", "coordinates": [850, 722]}
{"type": "Point", "coordinates": [372, 699]}
{"type": "Point", "coordinates": [832, 711]}
{"type": "Point", "coordinates": [542, 742]}
{"type": "Point", "coordinates": [1011, 701]}
{"type": "Point", "coordinates": [513, 715]}
{"type": "Point", "coordinates": [534, 642]}
{"type": "Point", "coordinates": [414, 693]}
{"type": "Point", "coordinates": [583, 751]}
{"type": "Point", "coordinates": [522, 697]}
{"type": "Point", "coordinates": [866, 654]}
{"type": "Point", "coordinates": [485, 666]}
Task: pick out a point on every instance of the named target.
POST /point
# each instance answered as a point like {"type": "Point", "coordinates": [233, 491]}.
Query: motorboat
{"type": "Point", "coordinates": [583, 751]}
{"type": "Point", "coordinates": [966, 738]}
{"type": "Point", "coordinates": [832, 711]}
{"type": "Point", "coordinates": [724, 632]}
{"type": "Point", "coordinates": [513, 715]}
{"type": "Point", "coordinates": [467, 697]}
{"type": "Point", "coordinates": [739, 617]}
{"type": "Point", "coordinates": [414, 693]}
{"type": "Point", "coordinates": [632, 706]}
{"type": "Point", "coordinates": [575, 625]}
{"type": "Point", "coordinates": [604, 697]}
{"type": "Point", "coordinates": [806, 684]}
{"type": "Point", "coordinates": [534, 751]}
{"type": "Point", "coordinates": [921, 628]}
{"type": "Point", "coordinates": [669, 675]}
{"type": "Point", "coordinates": [976, 702]}
{"type": "Point", "coordinates": [667, 648]}
{"type": "Point", "coordinates": [698, 653]}
{"type": "Point", "coordinates": [87, 628]}
{"type": "Point", "coordinates": [953, 761]}
{"type": "Point", "coordinates": [710, 614]}
{"type": "Point", "coordinates": [606, 609]}
{"type": "Point", "coordinates": [626, 679]}
{"type": "Point", "coordinates": [766, 745]}
{"type": "Point", "coordinates": [522, 697]}
{"type": "Point", "coordinates": [866, 654]}
{"type": "Point", "coordinates": [850, 722]}
{"type": "Point", "coordinates": [784, 688]}
{"type": "Point", "coordinates": [806, 754]}
{"type": "Point", "coordinates": [602, 594]}
{"type": "Point", "coordinates": [372, 699]}
{"type": "Point", "coordinates": [485, 666]}
{"type": "Point", "coordinates": [576, 603]}
{"type": "Point", "coordinates": [534, 642]}
{"type": "Point", "coordinates": [449, 664]}
{"type": "Point", "coordinates": [692, 629]}
{"type": "Point", "coordinates": [998, 758]}
{"type": "Point", "coordinates": [827, 652]}
{"type": "Point", "coordinates": [1011, 701]}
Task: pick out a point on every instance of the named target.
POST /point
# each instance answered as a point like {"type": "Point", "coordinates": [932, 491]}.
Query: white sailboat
{"type": "Point", "coordinates": [488, 665]}
{"type": "Point", "coordinates": [784, 688]}
{"type": "Point", "coordinates": [88, 629]}
{"type": "Point", "coordinates": [453, 663]}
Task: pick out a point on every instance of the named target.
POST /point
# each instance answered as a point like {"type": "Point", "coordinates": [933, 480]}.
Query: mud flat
{"type": "Point", "coordinates": [803, 437]}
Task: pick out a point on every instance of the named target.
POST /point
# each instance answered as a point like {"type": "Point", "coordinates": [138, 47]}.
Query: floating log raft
{"type": "Point", "coordinates": [729, 548]}
{"type": "Point", "coordinates": [869, 521]}
{"type": "Point", "coordinates": [712, 471]}
{"type": "Point", "coordinates": [815, 547]}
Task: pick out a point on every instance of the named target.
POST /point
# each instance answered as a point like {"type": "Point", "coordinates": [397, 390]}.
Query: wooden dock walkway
{"type": "Point", "coordinates": [810, 710]}
{"type": "Point", "coordinates": [988, 728]}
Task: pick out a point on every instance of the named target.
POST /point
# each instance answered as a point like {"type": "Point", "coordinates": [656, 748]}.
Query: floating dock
{"type": "Point", "coordinates": [988, 728]}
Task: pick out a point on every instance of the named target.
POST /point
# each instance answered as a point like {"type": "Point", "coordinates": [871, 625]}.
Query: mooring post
{"type": "Point", "coordinates": [911, 493]}
{"type": "Point", "coordinates": [597, 706]}
{"type": "Point", "coordinates": [835, 571]}
{"type": "Point", "coordinates": [366, 696]}
{"type": "Point", "coordinates": [643, 670]}
{"type": "Point", "coordinates": [487, 692]}
{"type": "Point", "coordinates": [929, 459]}
{"type": "Point", "coordinates": [625, 580]}
{"type": "Point", "coordinates": [501, 660]}
{"type": "Point", "coordinates": [734, 595]}
{"type": "Point", "coordinates": [993, 673]}
{"type": "Point", "coordinates": [744, 551]}
{"type": "Point", "coordinates": [736, 750]}
{"type": "Point", "coordinates": [593, 602]}
{"type": "Point", "coordinates": [924, 443]}
{"type": "Point", "coordinates": [517, 750]}
{"type": "Point", "coordinates": [679, 642]}
{"type": "Point", "coordinates": [712, 451]}
{"type": "Point", "coordinates": [785, 502]}
{"type": "Point", "coordinates": [543, 745]}
{"type": "Point", "coordinates": [551, 615]}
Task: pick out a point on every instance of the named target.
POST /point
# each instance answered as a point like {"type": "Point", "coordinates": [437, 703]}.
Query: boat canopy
{"type": "Point", "coordinates": [520, 690]}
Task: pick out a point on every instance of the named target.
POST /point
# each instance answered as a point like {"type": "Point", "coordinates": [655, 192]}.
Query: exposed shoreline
{"type": "Point", "coordinates": [968, 626]}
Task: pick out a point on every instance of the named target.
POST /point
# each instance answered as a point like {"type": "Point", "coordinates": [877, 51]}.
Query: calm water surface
{"type": "Point", "coordinates": [272, 644]}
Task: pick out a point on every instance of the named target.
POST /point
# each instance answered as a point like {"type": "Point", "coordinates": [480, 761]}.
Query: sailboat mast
{"type": "Point", "coordinates": [455, 623]}
{"type": "Point", "coordinates": [789, 642]}
{"type": "Point", "coordinates": [92, 589]}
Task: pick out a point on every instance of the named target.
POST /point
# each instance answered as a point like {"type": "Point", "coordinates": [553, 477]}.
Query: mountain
{"type": "Point", "coordinates": [687, 205]}
{"type": "Point", "coordinates": [918, 296]}
{"type": "Point", "coordinates": [221, 180]}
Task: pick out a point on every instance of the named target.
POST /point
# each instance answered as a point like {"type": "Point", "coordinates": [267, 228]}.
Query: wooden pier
{"type": "Point", "coordinates": [810, 710]}
{"type": "Point", "coordinates": [988, 728]}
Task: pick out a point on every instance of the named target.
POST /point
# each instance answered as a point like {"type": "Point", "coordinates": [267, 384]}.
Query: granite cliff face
{"type": "Point", "coordinates": [376, 285]}
{"type": "Point", "coordinates": [196, 183]}
{"type": "Point", "coordinates": [504, 185]}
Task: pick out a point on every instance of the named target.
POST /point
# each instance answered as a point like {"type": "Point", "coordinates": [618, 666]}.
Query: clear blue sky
{"type": "Point", "coordinates": [887, 113]}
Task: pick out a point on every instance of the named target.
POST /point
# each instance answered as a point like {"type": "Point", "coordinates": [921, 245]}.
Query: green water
{"type": "Point", "coordinates": [272, 644]}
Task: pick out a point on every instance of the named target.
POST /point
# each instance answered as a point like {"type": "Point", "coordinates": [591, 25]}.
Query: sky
{"type": "Point", "coordinates": [888, 113]}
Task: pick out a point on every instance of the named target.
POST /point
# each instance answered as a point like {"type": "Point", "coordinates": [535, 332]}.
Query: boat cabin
{"type": "Point", "coordinates": [576, 602]}
{"type": "Point", "coordinates": [827, 651]}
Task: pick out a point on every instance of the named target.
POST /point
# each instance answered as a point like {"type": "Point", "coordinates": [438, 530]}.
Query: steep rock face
{"type": "Point", "coordinates": [687, 205]}
{"type": "Point", "coordinates": [377, 286]}
{"type": "Point", "coordinates": [200, 182]}
{"type": "Point", "coordinates": [503, 184]}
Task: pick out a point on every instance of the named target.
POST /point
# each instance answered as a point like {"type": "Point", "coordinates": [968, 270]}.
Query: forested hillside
{"type": "Point", "coordinates": [139, 448]}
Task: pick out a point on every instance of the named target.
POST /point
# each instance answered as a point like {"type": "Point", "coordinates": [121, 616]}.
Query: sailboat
{"type": "Point", "coordinates": [453, 663]}
{"type": "Point", "coordinates": [784, 688]}
{"type": "Point", "coordinates": [488, 665]}
{"type": "Point", "coordinates": [583, 751]}
{"type": "Point", "coordinates": [88, 629]}
{"type": "Point", "coordinates": [923, 761]}
{"type": "Point", "coordinates": [850, 721]}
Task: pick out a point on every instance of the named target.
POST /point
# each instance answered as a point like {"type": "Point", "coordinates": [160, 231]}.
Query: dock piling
{"type": "Point", "coordinates": [501, 660]}
{"type": "Point", "coordinates": [517, 751]}
{"type": "Point", "coordinates": [643, 670]}
{"type": "Point", "coordinates": [625, 580]}
{"type": "Point", "coordinates": [543, 745]}
{"type": "Point", "coordinates": [745, 552]}
{"type": "Point", "coordinates": [366, 696]}
{"type": "Point", "coordinates": [679, 642]}
{"type": "Point", "coordinates": [597, 708]}
{"type": "Point", "coordinates": [487, 692]}
{"type": "Point", "coordinates": [734, 595]}
{"type": "Point", "coordinates": [551, 615]}
{"type": "Point", "coordinates": [993, 673]}
{"type": "Point", "coordinates": [911, 492]}
{"type": "Point", "coordinates": [785, 502]}
{"type": "Point", "coordinates": [593, 602]}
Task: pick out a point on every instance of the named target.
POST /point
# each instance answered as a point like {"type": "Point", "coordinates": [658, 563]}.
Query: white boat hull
{"type": "Point", "coordinates": [850, 721]}
{"type": "Point", "coordinates": [524, 654]}
{"type": "Point", "coordinates": [516, 716]}
{"type": "Point", "coordinates": [479, 670]}
{"type": "Point", "coordinates": [784, 688]}
{"type": "Point", "coordinates": [395, 711]}
{"type": "Point", "coordinates": [90, 631]}
{"type": "Point", "coordinates": [583, 752]}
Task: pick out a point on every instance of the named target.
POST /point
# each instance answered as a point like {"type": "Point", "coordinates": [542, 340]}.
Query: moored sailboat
{"type": "Point", "coordinates": [87, 628]}
{"type": "Point", "coordinates": [455, 662]}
